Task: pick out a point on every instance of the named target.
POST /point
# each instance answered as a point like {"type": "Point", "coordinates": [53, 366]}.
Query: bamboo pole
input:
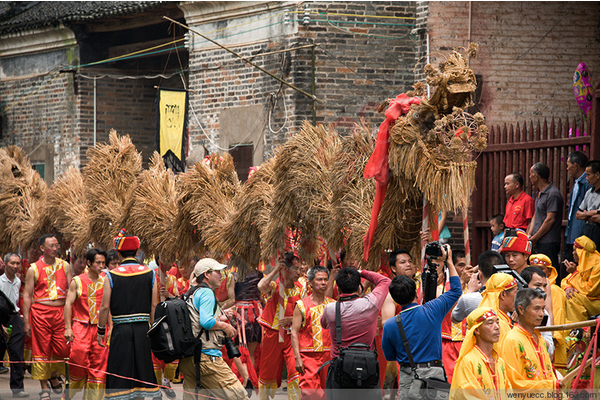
{"type": "Point", "coordinates": [561, 327]}
{"type": "Point", "coordinates": [245, 59]}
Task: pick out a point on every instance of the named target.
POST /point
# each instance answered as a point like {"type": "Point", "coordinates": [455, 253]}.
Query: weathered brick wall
{"type": "Point", "coordinates": [359, 62]}
{"type": "Point", "coordinates": [45, 116]}
{"type": "Point", "coordinates": [528, 52]}
{"type": "Point", "coordinates": [127, 105]}
{"type": "Point", "coordinates": [219, 80]}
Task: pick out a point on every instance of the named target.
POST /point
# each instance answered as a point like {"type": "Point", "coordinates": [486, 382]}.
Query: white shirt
{"type": "Point", "coordinates": [11, 289]}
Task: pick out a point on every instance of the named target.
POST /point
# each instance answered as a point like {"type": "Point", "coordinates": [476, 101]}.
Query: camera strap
{"type": "Point", "coordinates": [406, 345]}
{"type": "Point", "coordinates": [338, 321]}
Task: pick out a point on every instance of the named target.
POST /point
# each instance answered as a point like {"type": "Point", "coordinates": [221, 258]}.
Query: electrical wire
{"type": "Point", "coordinates": [21, 99]}
{"type": "Point", "coordinates": [150, 51]}
{"type": "Point", "coordinates": [241, 143]}
{"type": "Point", "coordinates": [164, 76]}
{"type": "Point", "coordinates": [285, 113]}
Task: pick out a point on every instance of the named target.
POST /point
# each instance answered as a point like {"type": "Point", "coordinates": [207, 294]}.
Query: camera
{"type": "Point", "coordinates": [507, 270]}
{"type": "Point", "coordinates": [430, 275]}
{"type": "Point", "coordinates": [434, 250]}
{"type": "Point", "coordinates": [232, 350]}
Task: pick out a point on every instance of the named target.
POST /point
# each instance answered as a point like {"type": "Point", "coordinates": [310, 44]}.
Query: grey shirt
{"type": "Point", "coordinates": [11, 289]}
{"type": "Point", "coordinates": [466, 304]}
{"type": "Point", "coordinates": [590, 201]}
{"type": "Point", "coordinates": [549, 200]}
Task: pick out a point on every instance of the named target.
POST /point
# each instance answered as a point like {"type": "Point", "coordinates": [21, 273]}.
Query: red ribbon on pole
{"type": "Point", "coordinates": [377, 165]}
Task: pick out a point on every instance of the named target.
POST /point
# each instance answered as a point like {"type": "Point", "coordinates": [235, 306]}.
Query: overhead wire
{"type": "Point", "coordinates": [151, 50]}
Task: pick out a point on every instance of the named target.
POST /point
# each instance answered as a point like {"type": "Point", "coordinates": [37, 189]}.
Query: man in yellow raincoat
{"type": "Point", "coordinates": [480, 373]}
{"type": "Point", "coordinates": [499, 295]}
{"type": "Point", "coordinates": [582, 285]}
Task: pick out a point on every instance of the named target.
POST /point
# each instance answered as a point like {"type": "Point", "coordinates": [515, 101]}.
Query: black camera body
{"type": "Point", "coordinates": [430, 274]}
{"type": "Point", "coordinates": [232, 350]}
{"type": "Point", "coordinates": [434, 250]}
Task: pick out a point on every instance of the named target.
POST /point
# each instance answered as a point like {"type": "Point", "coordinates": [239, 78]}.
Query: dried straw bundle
{"type": "Point", "coordinates": [206, 196]}
{"type": "Point", "coordinates": [108, 179]}
{"type": "Point", "coordinates": [303, 189]}
{"type": "Point", "coordinates": [22, 201]}
{"type": "Point", "coordinates": [69, 209]}
{"type": "Point", "coordinates": [151, 210]}
{"type": "Point", "coordinates": [241, 233]}
{"type": "Point", "coordinates": [223, 167]}
{"type": "Point", "coordinates": [399, 221]}
{"type": "Point", "coordinates": [353, 196]}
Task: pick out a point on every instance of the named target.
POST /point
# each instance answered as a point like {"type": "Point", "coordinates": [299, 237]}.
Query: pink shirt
{"type": "Point", "coordinates": [359, 316]}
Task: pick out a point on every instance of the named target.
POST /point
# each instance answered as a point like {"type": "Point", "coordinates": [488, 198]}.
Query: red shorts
{"type": "Point", "coordinates": [48, 342]}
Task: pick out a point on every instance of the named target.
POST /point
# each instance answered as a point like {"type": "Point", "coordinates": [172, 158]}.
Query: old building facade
{"type": "Point", "coordinates": [71, 71]}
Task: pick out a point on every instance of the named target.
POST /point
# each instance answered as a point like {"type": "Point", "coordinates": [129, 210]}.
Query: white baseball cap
{"type": "Point", "coordinates": [206, 264]}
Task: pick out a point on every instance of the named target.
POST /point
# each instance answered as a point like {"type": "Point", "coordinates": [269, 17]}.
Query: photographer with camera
{"type": "Point", "coordinates": [425, 360]}
{"type": "Point", "coordinates": [215, 376]}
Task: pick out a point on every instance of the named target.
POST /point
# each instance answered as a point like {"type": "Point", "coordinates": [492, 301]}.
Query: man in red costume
{"type": "Point", "coordinates": [310, 342]}
{"type": "Point", "coordinates": [276, 320]}
{"type": "Point", "coordinates": [88, 358]}
{"type": "Point", "coordinates": [44, 297]}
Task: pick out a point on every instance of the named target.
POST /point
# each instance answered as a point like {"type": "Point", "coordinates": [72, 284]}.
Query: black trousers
{"type": "Point", "coordinates": [15, 346]}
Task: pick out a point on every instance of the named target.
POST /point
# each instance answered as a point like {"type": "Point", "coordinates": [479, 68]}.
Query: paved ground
{"type": "Point", "coordinates": [33, 388]}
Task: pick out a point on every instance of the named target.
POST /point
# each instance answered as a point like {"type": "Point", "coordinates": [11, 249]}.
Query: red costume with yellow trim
{"type": "Point", "coordinates": [88, 359]}
{"type": "Point", "coordinates": [314, 345]}
{"type": "Point", "coordinates": [48, 322]}
{"type": "Point", "coordinates": [275, 353]}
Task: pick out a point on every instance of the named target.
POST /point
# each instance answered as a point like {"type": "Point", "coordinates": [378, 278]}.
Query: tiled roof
{"type": "Point", "coordinates": [22, 15]}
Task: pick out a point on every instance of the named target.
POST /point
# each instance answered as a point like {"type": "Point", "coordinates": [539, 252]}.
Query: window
{"type": "Point", "coordinates": [243, 159]}
{"type": "Point", "coordinates": [40, 168]}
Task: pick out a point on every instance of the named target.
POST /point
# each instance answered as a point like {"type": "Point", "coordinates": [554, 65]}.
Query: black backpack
{"type": "Point", "coordinates": [171, 334]}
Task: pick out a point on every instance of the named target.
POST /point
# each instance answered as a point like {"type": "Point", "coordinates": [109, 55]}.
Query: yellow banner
{"type": "Point", "coordinates": [172, 110]}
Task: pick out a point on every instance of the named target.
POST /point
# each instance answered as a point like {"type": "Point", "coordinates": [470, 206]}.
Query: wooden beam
{"type": "Point", "coordinates": [116, 51]}
{"type": "Point", "coordinates": [562, 327]}
{"type": "Point", "coordinates": [539, 144]}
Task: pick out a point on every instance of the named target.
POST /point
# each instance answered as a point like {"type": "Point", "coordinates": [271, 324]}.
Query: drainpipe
{"type": "Point", "coordinates": [94, 111]}
{"type": "Point", "coordinates": [469, 24]}
{"type": "Point", "coordinates": [428, 55]}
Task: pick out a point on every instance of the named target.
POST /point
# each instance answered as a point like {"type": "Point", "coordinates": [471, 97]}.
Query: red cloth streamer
{"type": "Point", "coordinates": [377, 165]}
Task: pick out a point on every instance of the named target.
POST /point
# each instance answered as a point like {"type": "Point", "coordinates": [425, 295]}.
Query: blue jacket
{"type": "Point", "coordinates": [423, 328]}
{"type": "Point", "coordinates": [574, 227]}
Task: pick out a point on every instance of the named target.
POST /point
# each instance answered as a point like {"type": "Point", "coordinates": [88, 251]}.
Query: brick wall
{"type": "Point", "coordinates": [127, 105]}
{"type": "Point", "coordinates": [45, 116]}
{"type": "Point", "coordinates": [528, 52]}
{"type": "Point", "coordinates": [359, 62]}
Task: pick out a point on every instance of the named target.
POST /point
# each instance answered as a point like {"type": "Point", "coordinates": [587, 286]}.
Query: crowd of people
{"type": "Point", "coordinates": [340, 332]}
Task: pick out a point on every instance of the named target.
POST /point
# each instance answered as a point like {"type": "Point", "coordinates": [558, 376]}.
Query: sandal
{"type": "Point", "coordinates": [44, 395]}
{"type": "Point", "coordinates": [58, 389]}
